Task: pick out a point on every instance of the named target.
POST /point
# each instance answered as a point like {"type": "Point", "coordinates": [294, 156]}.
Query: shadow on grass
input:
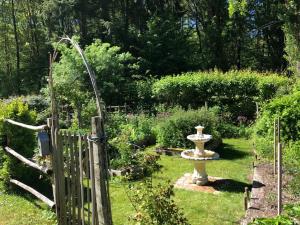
{"type": "Point", "coordinates": [229, 185]}
{"type": "Point", "coordinates": [227, 151]}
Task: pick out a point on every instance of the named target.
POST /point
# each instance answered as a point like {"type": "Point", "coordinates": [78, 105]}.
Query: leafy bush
{"type": "Point", "coordinates": [234, 91]}
{"type": "Point", "coordinates": [140, 129]}
{"type": "Point", "coordinates": [113, 124]}
{"type": "Point", "coordinates": [20, 139]}
{"type": "Point", "coordinates": [112, 67]}
{"type": "Point", "coordinates": [291, 216]}
{"type": "Point", "coordinates": [154, 205]}
{"type": "Point", "coordinates": [125, 155]}
{"type": "Point", "coordinates": [173, 130]}
{"type": "Point", "coordinates": [228, 130]}
{"type": "Point", "coordinates": [287, 108]}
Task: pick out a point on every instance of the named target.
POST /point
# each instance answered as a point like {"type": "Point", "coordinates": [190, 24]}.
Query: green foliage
{"type": "Point", "coordinates": [125, 148]}
{"type": "Point", "coordinates": [228, 130]}
{"type": "Point", "coordinates": [287, 108]}
{"type": "Point", "coordinates": [234, 91]}
{"type": "Point", "coordinates": [237, 6]}
{"type": "Point", "coordinates": [291, 28]}
{"type": "Point", "coordinates": [290, 216]}
{"type": "Point", "coordinates": [154, 205]}
{"type": "Point", "coordinates": [167, 49]}
{"type": "Point", "coordinates": [140, 130]}
{"type": "Point", "coordinates": [114, 122]}
{"type": "Point", "coordinates": [20, 139]}
{"type": "Point", "coordinates": [143, 94]}
{"type": "Point", "coordinates": [172, 131]}
{"type": "Point", "coordinates": [113, 69]}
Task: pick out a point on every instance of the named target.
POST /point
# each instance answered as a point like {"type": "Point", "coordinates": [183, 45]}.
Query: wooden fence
{"type": "Point", "coordinates": [79, 175]}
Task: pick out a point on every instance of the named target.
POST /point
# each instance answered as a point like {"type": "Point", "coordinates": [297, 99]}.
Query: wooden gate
{"type": "Point", "coordinates": [79, 174]}
{"type": "Point", "coordinates": [81, 177]}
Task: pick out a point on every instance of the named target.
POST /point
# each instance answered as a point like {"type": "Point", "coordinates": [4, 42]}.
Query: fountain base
{"type": "Point", "coordinates": [199, 175]}
{"type": "Point", "coordinates": [212, 186]}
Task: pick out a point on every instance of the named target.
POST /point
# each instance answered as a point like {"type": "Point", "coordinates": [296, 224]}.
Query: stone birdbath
{"type": "Point", "coordinates": [199, 156]}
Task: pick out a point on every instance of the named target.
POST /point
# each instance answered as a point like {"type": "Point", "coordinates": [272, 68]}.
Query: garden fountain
{"type": "Point", "coordinates": [199, 156]}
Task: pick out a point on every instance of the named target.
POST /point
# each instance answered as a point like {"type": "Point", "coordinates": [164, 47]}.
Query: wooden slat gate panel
{"type": "Point", "coordinates": [75, 178]}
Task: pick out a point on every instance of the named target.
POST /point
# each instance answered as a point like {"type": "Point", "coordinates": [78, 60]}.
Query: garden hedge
{"type": "Point", "coordinates": [235, 91]}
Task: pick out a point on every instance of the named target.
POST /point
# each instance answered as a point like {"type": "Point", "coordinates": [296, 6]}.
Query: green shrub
{"type": "Point", "coordinates": [287, 108]}
{"type": "Point", "coordinates": [20, 139]}
{"type": "Point", "coordinates": [154, 205]}
{"type": "Point", "coordinates": [113, 124]}
{"type": "Point", "coordinates": [234, 91]}
{"type": "Point", "coordinates": [173, 130]}
{"type": "Point", "coordinates": [125, 155]}
{"type": "Point", "coordinates": [228, 130]}
{"type": "Point", "coordinates": [291, 158]}
{"type": "Point", "coordinates": [140, 128]}
{"type": "Point", "coordinates": [290, 216]}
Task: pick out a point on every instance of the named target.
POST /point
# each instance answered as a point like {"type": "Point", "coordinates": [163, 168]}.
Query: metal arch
{"type": "Point", "coordinates": [89, 69]}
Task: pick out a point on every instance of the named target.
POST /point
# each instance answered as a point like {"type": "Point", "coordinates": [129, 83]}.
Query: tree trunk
{"type": "Point", "coordinates": [13, 14]}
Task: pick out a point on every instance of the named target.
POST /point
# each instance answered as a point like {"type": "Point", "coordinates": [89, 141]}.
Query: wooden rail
{"type": "Point", "coordinates": [34, 128]}
{"type": "Point", "coordinates": [37, 194]}
{"type": "Point", "coordinates": [27, 161]}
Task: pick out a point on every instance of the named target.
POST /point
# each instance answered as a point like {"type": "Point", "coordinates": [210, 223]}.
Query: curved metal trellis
{"type": "Point", "coordinates": [97, 126]}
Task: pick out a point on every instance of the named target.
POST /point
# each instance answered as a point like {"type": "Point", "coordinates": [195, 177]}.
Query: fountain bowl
{"type": "Point", "coordinates": [207, 155]}
{"type": "Point", "coordinates": [199, 138]}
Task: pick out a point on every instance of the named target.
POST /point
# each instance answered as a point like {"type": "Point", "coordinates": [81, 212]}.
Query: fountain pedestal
{"type": "Point", "coordinates": [200, 175]}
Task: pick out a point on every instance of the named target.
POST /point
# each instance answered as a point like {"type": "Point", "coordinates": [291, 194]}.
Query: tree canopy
{"type": "Point", "coordinates": [164, 37]}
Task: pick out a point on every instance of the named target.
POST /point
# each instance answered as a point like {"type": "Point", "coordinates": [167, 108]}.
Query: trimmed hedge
{"type": "Point", "coordinates": [234, 91]}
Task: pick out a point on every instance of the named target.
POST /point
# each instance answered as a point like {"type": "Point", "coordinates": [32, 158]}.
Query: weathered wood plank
{"type": "Point", "coordinates": [101, 173]}
{"type": "Point", "coordinates": [77, 180]}
{"type": "Point", "coordinates": [27, 161]}
{"type": "Point", "coordinates": [61, 177]}
{"type": "Point", "coordinates": [92, 177]}
{"type": "Point", "coordinates": [69, 204]}
{"type": "Point", "coordinates": [72, 168]}
{"type": "Point", "coordinates": [43, 198]}
{"type": "Point", "coordinates": [80, 145]}
{"type": "Point", "coordinates": [88, 194]}
{"type": "Point", "coordinates": [52, 124]}
{"type": "Point", "coordinates": [30, 127]}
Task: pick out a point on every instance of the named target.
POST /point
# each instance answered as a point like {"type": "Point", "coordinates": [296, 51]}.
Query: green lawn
{"type": "Point", "coordinates": [20, 210]}
{"type": "Point", "coordinates": [200, 208]}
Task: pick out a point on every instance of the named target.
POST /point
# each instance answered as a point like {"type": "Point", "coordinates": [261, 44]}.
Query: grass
{"type": "Point", "coordinates": [24, 210]}
{"type": "Point", "coordinates": [200, 208]}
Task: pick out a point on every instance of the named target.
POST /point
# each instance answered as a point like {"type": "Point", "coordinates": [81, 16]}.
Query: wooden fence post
{"type": "Point", "coordinates": [275, 147]}
{"type": "Point", "coordinates": [246, 198]}
{"type": "Point", "coordinates": [51, 124]}
{"type": "Point", "coordinates": [279, 182]}
{"type": "Point", "coordinates": [101, 172]}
